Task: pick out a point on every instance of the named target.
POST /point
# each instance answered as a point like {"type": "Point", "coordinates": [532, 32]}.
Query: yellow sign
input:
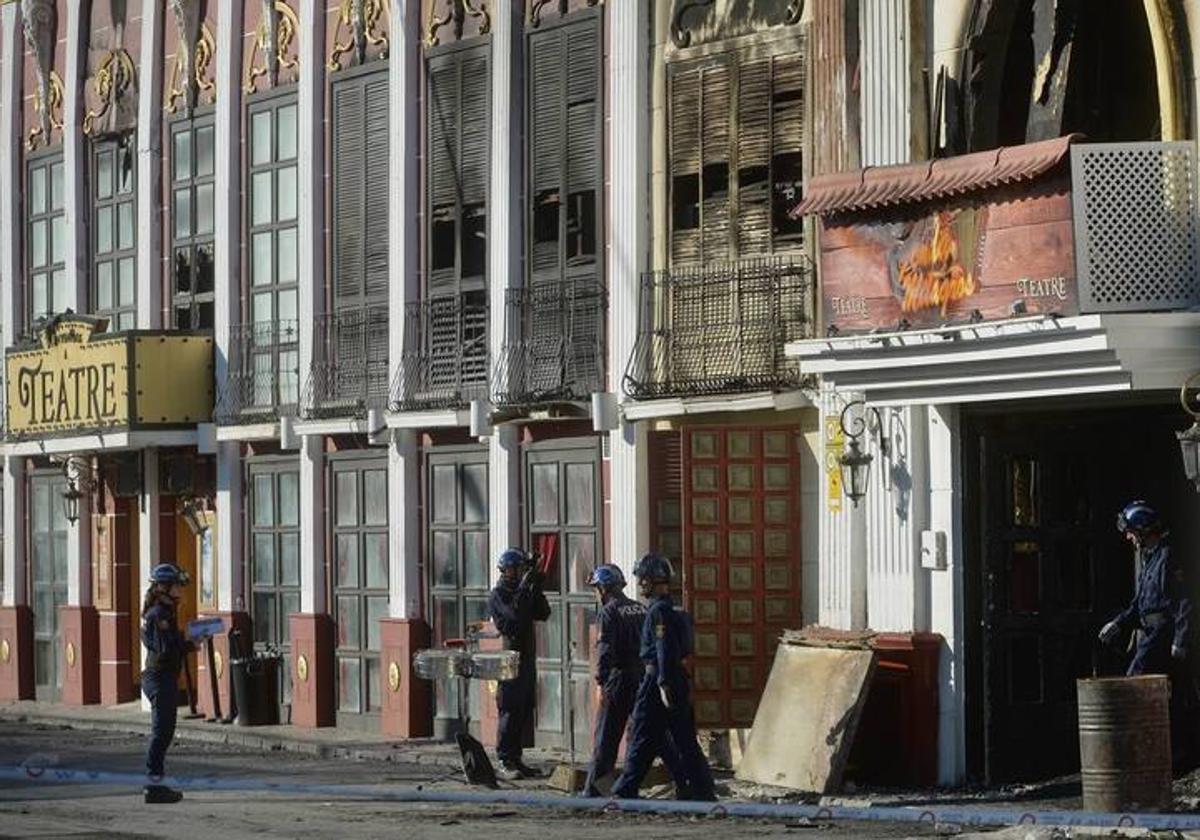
{"type": "Point", "coordinates": [79, 380]}
{"type": "Point", "coordinates": [394, 677]}
{"type": "Point", "coordinates": [835, 441]}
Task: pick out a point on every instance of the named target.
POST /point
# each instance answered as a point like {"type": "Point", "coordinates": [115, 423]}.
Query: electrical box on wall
{"type": "Point", "coordinates": [933, 550]}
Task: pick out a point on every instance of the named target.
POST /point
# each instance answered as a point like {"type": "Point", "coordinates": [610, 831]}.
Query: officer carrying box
{"type": "Point", "coordinates": [165, 652]}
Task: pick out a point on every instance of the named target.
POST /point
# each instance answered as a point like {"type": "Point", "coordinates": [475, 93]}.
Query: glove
{"type": "Point", "coordinates": [532, 579]}
{"type": "Point", "coordinates": [1109, 632]}
{"type": "Point", "coordinates": [667, 696]}
{"type": "Point", "coordinates": [1178, 652]}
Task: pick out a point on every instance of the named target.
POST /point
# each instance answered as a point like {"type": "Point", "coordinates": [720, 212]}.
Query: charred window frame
{"type": "Point", "coordinates": [458, 150]}
{"type": "Point", "coordinates": [114, 231]}
{"type": "Point", "coordinates": [360, 113]}
{"type": "Point", "coordinates": [272, 214]}
{"type": "Point", "coordinates": [192, 176]}
{"type": "Point", "coordinates": [47, 287]}
{"type": "Point", "coordinates": [564, 151]}
{"type": "Point", "coordinates": [736, 150]}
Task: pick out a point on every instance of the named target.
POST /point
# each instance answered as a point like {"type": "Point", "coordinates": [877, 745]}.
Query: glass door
{"type": "Point", "coordinates": [48, 543]}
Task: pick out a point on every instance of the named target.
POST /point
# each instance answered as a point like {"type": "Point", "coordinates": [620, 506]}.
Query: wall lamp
{"type": "Point", "coordinates": [191, 511]}
{"type": "Point", "coordinates": [855, 463]}
{"type": "Point", "coordinates": [81, 481]}
{"type": "Point", "coordinates": [1189, 439]}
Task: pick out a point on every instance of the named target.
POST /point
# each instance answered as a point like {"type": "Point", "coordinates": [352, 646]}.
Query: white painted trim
{"type": "Point", "coordinates": [14, 559]}
{"type": "Point", "coordinates": [11, 57]}
{"type": "Point", "coordinates": [310, 125]}
{"type": "Point", "coordinates": [338, 426]}
{"type": "Point", "coordinates": [433, 419]}
{"type": "Point", "coordinates": [148, 515]}
{"type": "Point", "coordinates": [312, 525]}
{"type": "Point", "coordinates": [678, 407]}
{"type": "Point", "coordinates": [75, 146]}
{"type": "Point", "coordinates": [100, 442]}
{"type": "Point", "coordinates": [230, 500]}
{"type": "Point", "coordinates": [404, 96]}
{"type": "Point", "coordinates": [149, 163]}
{"type": "Point", "coordinates": [404, 542]}
{"type": "Point", "coordinates": [228, 135]}
{"type": "Point", "coordinates": [249, 431]}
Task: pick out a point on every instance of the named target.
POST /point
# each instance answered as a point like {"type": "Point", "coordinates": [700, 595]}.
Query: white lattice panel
{"type": "Point", "coordinates": [1135, 226]}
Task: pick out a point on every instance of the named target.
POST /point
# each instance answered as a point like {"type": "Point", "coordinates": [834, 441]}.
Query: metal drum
{"type": "Point", "coordinates": [1125, 743]}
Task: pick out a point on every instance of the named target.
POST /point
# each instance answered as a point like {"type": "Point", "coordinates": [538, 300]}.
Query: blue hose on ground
{"type": "Point", "coordinates": [754, 810]}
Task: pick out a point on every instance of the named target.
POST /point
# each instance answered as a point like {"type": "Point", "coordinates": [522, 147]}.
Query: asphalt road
{"type": "Point", "coordinates": [45, 810]}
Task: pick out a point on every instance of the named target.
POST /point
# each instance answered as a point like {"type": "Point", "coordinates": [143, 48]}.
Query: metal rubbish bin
{"type": "Point", "coordinates": [256, 689]}
{"type": "Point", "coordinates": [1125, 743]}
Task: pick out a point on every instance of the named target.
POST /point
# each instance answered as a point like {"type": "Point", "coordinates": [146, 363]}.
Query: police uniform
{"type": "Point", "coordinates": [165, 650]}
{"type": "Point", "coordinates": [619, 671]}
{"type": "Point", "coordinates": [514, 607]}
{"type": "Point", "coordinates": [665, 641]}
{"type": "Point", "coordinates": [1161, 611]}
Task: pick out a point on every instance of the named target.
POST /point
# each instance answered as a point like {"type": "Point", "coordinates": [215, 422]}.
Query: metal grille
{"type": "Point", "coordinates": [445, 360]}
{"type": "Point", "coordinates": [263, 375]}
{"type": "Point", "coordinates": [1135, 226]}
{"type": "Point", "coordinates": [350, 363]}
{"type": "Point", "coordinates": [720, 329]}
{"type": "Point", "coordinates": [554, 344]}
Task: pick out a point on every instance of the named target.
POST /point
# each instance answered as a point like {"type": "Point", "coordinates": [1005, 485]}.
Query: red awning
{"type": "Point", "coordinates": [883, 186]}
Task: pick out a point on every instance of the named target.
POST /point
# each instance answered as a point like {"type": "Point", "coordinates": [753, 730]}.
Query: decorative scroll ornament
{"type": "Point", "coordinates": [456, 13]}
{"type": "Point", "coordinates": [40, 22]}
{"type": "Point", "coordinates": [115, 76]}
{"type": "Point", "coordinates": [681, 33]}
{"type": "Point", "coordinates": [360, 21]}
{"type": "Point", "coordinates": [273, 44]}
{"type": "Point", "coordinates": [535, 11]}
{"type": "Point", "coordinates": [193, 56]}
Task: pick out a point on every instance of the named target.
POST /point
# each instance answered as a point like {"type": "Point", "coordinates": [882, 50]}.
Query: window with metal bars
{"type": "Point", "coordinates": [736, 123]}
{"type": "Point", "coordinates": [48, 288]}
{"type": "Point", "coordinates": [192, 175]}
{"type": "Point", "coordinates": [114, 231]}
{"type": "Point", "coordinates": [273, 248]}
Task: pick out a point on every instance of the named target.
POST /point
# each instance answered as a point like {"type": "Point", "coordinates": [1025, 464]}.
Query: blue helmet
{"type": "Point", "coordinates": [608, 576]}
{"type": "Point", "coordinates": [167, 573]}
{"type": "Point", "coordinates": [512, 558]}
{"type": "Point", "coordinates": [1139, 518]}
{"type": "Point", "coordinates": [653, 567]}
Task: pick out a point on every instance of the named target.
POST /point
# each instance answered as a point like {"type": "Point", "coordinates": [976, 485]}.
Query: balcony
{"type": "Point", "coordinates": [349, 372]}
{"type": "Point", "coordinates": [445, 359]}
{"type": "Point", "coordinates": [720, 329]}
{"type": "Point", "coordinates": [263, 378]}
{"type": "Point", "coordinates": [554, 345]}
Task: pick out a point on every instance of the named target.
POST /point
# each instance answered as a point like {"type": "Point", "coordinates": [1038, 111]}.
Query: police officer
{"type": "Point", "coordinates": [664, 706]}
{"type": "Point", "coordinates": [516, 602]}
{"type": "Point", "coordinates": [618, 672]}
{"type": "Point", "coordinates": [165, 652]}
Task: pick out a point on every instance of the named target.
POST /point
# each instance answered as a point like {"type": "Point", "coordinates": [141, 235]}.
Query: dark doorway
{"type": "Point", "coordinates": [1046, 568]}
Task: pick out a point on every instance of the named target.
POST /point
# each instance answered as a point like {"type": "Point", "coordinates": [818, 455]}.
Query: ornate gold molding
{"type": "Point", "coordinates": [39, 19]}
{"type": "Point", "coordinates": [115, 75]}
{"type": "Point", "coordinates": [49, 115]}
{"type": "Point", "coordinates": [536, 7]}
{"type": "Point", "coordinates": [681, 34]}
{"type": "Point", "coordinates": [273, 44]}
{"type": "Point", "coordinates": [456, 13]}
{"type": "Point", "coordinates": [190, 84]}
{"type": "Point", "coordinates": [360, 21]}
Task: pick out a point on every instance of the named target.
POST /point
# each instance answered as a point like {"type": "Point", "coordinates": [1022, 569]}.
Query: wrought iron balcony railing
{"type": "Point", "coordinates": [554, 344]}
{"type": "Point", "coordinates": [445, 360]}
{"type": "Point", "coordinates": [349, 371]}
{"type": "Point", "coordinates": [263, 376]}
{"type": "Point", "coordinates": [720, 329]}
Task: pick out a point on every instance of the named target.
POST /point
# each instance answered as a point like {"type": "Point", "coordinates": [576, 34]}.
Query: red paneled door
{"type": "Point", "coordinates": [741, 551]}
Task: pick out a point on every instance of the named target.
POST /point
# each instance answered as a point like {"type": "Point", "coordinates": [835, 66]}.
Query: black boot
{"type": "Point", "coordinates": [161, 795]}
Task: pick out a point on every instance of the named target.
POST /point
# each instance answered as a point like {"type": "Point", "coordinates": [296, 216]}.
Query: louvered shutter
{"type": "Point", "coordinates": [475, 94]}
{"type": "Point", "coordinates": [684, 101]}
{"type": "Point", "coordinates": [715, 144]}
{"type": "Point", "coordinates": [441, 174]}
{"type": "Point", "coordinates": [349, 166]}
{"type": "Point", "coordinates": [547, 98]}
{"type": "Point", "coordinates": [754, 157]}
{"type": "Point", "coordinates": [583, 153]}
{"type": "Point", "coordinates": [375, 187]}
{"type": "Point", "coordinates": [787, 144]}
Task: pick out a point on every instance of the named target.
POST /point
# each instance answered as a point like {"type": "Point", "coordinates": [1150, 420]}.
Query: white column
{"type": "Point", "coordinates": [404, 531]}
{"type": "Point", "coordinates": [835, 525]}
{"type": "Point", "coordinates": [230, 577]}
{"type": "Point", "coordinates": [149, 176]}
{"type": "Point", "coordinates": [812, 473]}
{"type": "Point", "coordinates": [312, 525]}
{"type": "Point", "coordinates": [148, 530]}
{"type": "Point", "coordinates": [228, 227]}
{"type": "Point", "coordinates": [628, 129]}
{"type": "Point", "coordinates": [74, 164]}
{"type": "Point", "coordinates": [404, 77]}
{"type": "Point", "coordinates": [946, 589]}
{"type": "Point", "coordinates": [504, 261]}
{"type": "Point", "coordinates": [14, 533]}
{"type": "Point", "coordinates": [79, 555]}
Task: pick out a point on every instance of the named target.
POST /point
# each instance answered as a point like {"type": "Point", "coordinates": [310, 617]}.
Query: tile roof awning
{"type": "Point", "coordinates": [884, 186]}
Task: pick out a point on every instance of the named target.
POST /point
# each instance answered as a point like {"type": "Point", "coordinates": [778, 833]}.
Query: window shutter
{"type": "Point", "coordinates": [376, 187]}
{"type": "Point", "coordinates": [754, 157]}
{"type": "Point", "coordinates": [584, 153]}
{"type": "Point", "coordinates": [547, 107]}
{"type": "Point", "coordinates": [685, 161]}
{"type": "Point", "coordinates": [475, 95]}
{"type": "Point", "coordinates": [787, 148]}
{"type": "Point", "coordinates": [349, 161]}
{"type": "Point", "coordinates": [442, 154]}
{"type": "Point", "coordinates": [714, 158]}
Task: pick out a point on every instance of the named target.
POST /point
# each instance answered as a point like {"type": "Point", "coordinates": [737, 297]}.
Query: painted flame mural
{"type": "Point", "coordinates": [932, 275]}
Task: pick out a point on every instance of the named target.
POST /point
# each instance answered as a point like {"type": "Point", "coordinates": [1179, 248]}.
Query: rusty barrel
{"type": "Point", "coordinates": [1125, 743]}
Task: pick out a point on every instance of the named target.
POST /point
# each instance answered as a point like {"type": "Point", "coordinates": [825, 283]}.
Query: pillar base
{"type": "Point", "coordinates": [119, 660]}
{"type": "Point", "coordinates": [16, 653]}
{"type": "Point", "coordinates": [312, 670]}
{"type": "Point", "coordinates": [407, 706]}
{"type": "Point", "coordinates": [80, 652]}
{"type": "Point", "coordinates": [222, 653]}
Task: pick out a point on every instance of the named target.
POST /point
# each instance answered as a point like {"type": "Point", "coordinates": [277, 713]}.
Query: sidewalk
{"type": "Point", "coordinates": [326, 742]}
